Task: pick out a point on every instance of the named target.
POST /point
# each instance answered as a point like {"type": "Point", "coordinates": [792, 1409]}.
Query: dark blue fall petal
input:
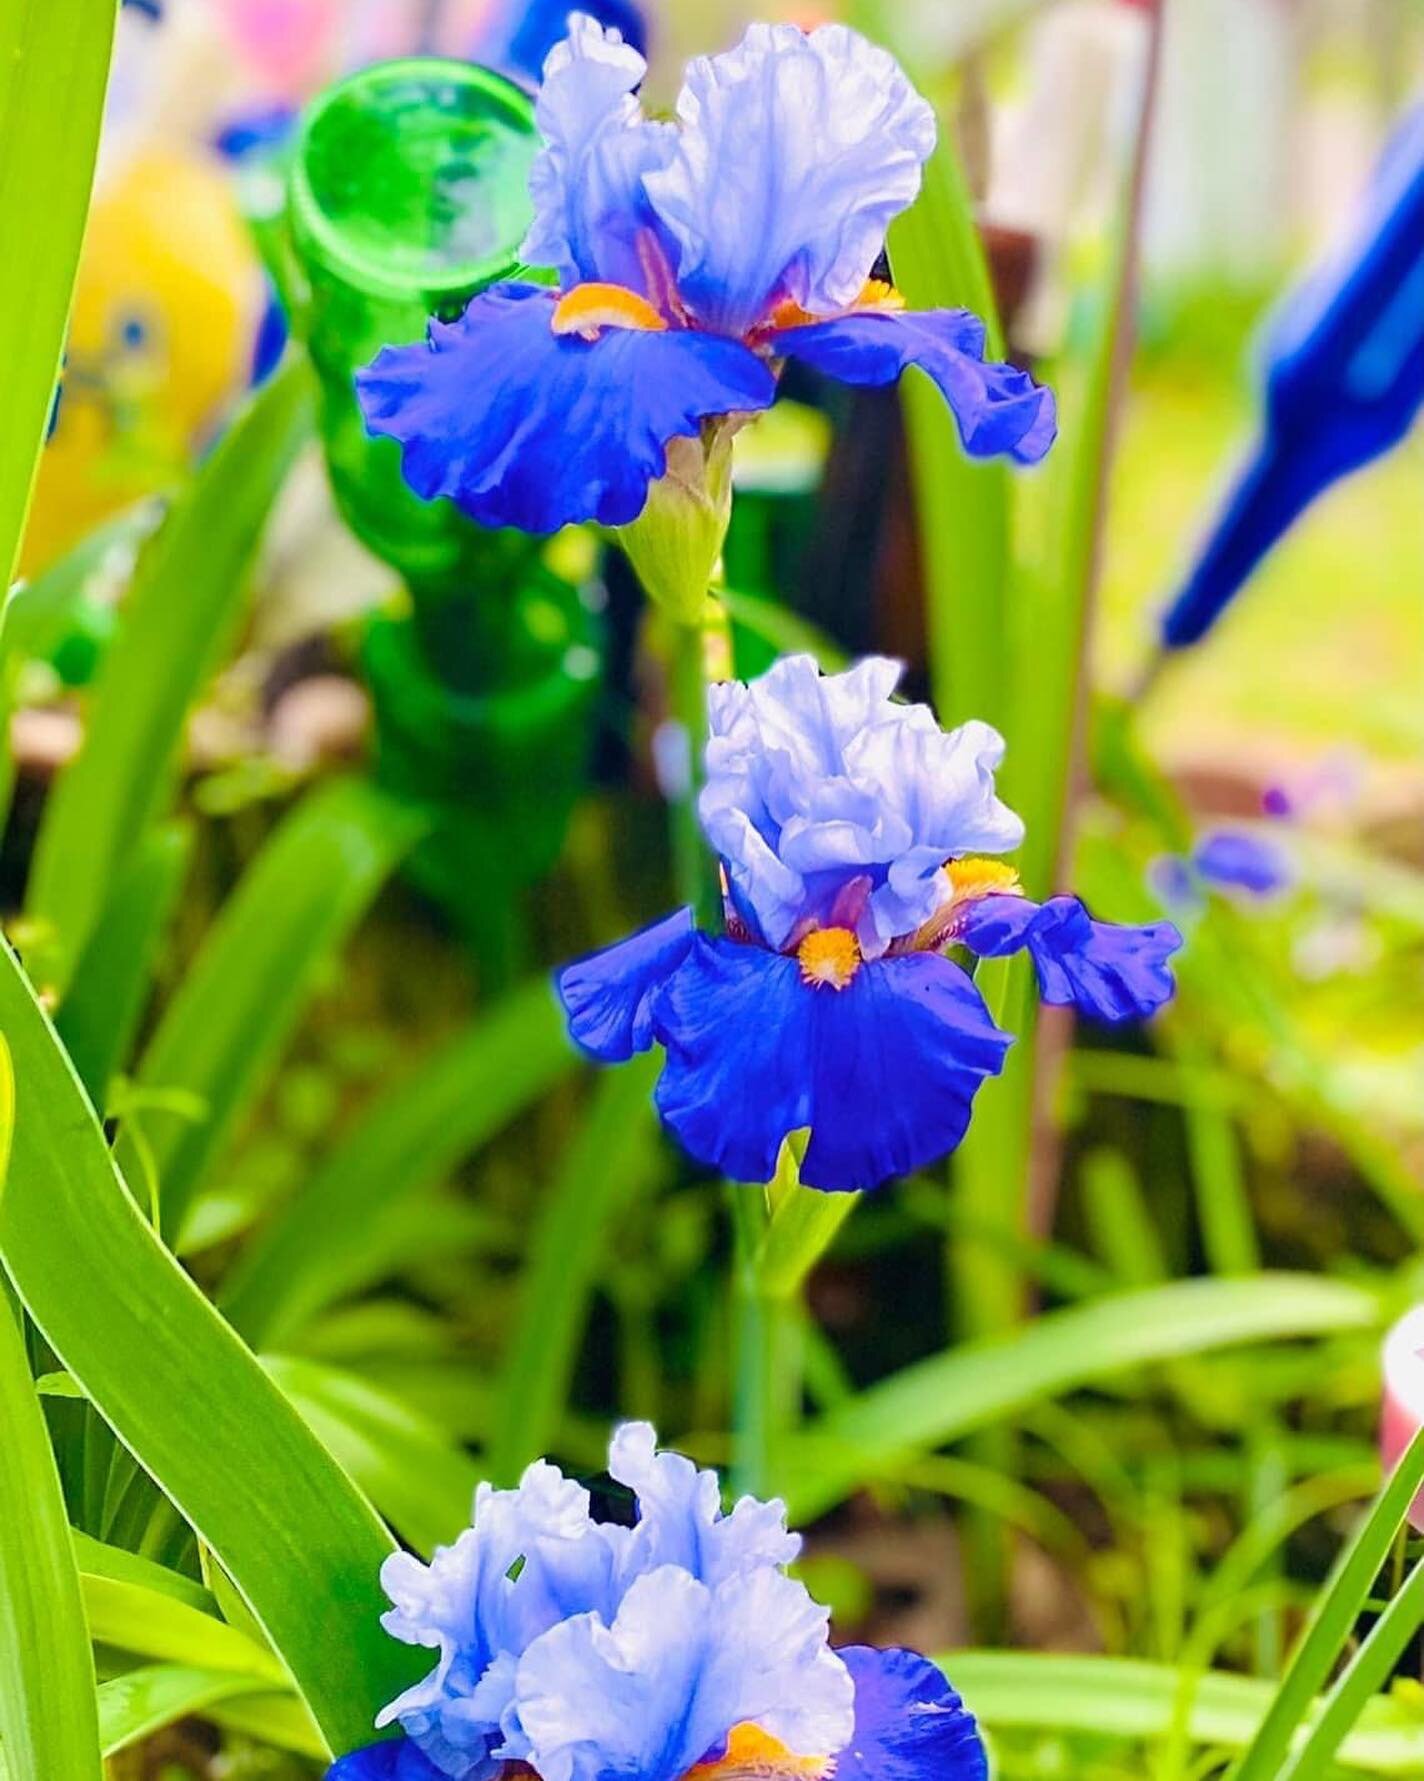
{"type": "Point", "coordinates": [527, 428]}
{"type": "Point", "coordinates": [910, 1725]}
{"type": "Point", "coordinates": [884, 1071]}
{"type": "Point", "coordinates": [1000, 410]}
{"type": "Point", "coordinates": [393, 1759]}
{"type": "Point", "coordinates": [1106, 971]}
{"type": "Point", "coordinates": [607, 995]}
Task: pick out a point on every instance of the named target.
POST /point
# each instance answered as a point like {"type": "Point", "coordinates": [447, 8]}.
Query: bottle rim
{"type": "Point", "coordinates": [315, 232]}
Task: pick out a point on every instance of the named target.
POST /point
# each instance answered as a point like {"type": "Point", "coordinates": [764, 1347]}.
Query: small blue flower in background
{"type": "Point", "coordinates": [1344, 381]}
{"type": "Point", "coordinates": [1232, 860]}
{"type": "Point", "coordinates": [849, 828]}
{"type": "Point", "coordinates": [1239, 861]}
{"type": "Point", "coordinates": [692, 258]}
{"type": "Point", "coordinates": [675, 1648]}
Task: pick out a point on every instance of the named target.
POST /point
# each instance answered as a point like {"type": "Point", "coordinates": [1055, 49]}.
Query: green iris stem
{"type": "Point", "coordinates": [761, 1381]}
{"type": "Point", "coordinates": [686, 659]}
{"type": "Point", "coordinates": [780, 1233]}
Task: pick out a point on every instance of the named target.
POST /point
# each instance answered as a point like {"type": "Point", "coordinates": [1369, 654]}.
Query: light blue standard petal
{"type": "Point", "coordinates": [1000, 410]}
{"type": "Point", "coordinates": [527, 428]}
{"type": "Point", "coordinates": [647, 1697]}
{"type": "Point", "coordinates": [1237, 861]}
{"type": "Point", "coordinates": [466, 1604]}
{"type": "Point", "coordinates": [796, 151]}
{"type": "Point", "coordinates": [829, 800]}
{"type": "Point", "coordinates": [910, 1725]}
{"type": "Point", "coordinates": [680, 1519]}
{"type": "Point", "coordinates": [586, 184]}
{"type": "Point", "coordinates": [397, 1759]}
{"type": "Point", "coordinates": [1106, 971]}
{"type": "Point", "coordinates": [607, 995]}
{"type": "Point", "coordinates": [884, 1071]}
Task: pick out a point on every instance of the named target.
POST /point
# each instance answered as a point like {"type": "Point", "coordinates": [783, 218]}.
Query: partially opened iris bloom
{"type": "Point", "coordinates": [852, 834]}
{"type": "Point", "coordinates": [674, 1650]}
{"type": "Point", "coordinates": [692, 259]}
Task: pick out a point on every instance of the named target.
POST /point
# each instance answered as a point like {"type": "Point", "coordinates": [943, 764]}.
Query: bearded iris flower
{"type": "Point", "coordinates": [692, 259]}
{"type": "Point", "coordinates": [851, 832]}
{"type": "Point", "coordinates": [674, 1650]}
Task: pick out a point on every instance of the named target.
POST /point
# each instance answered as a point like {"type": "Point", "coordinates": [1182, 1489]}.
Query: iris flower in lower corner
{"type": "Point", "coordinates": [692, 258]}
{"type": "Point", "coordinates": [851, 832]}
{"type": "Point", "coordinates": [674, 1650]}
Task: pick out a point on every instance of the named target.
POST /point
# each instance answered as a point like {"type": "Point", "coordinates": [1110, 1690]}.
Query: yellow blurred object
{"type": "Point", "coordinates": [165, 313]}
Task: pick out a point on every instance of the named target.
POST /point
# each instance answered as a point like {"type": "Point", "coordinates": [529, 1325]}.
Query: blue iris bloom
{"type": "Point", "coordinates": [1344, 380]}
{"type": "Point", "coordinates": [849, 828]}
{"type": "Point", "coordinates": [692, 259]}
{"type": "Point", "coordinates": [675, 1648]}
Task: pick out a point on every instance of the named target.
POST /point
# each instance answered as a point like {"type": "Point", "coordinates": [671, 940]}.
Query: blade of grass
{"type": "Point", "coordinates": [47, 1715]}
{"type": "Point", "coordinates": [277, 1719]}
{"type": "Point", "coordinates": [222, 1033]}
{"type": "Point", "coordinates": [608, 1161]}
{"type": "Point", "coordinates": [424, 1486]}
{"type": "Point", "coordinates": [54, 66]}
{"type": "Point", "coordinates": [1333, 1618]}
{"type": "Point", "coordinates": [1118, 1697]}
{"type": "Point", "coordinates": [1368, 1670]}
{"type": "Point", "coordinates": [329, 1239]}
{"type": "Point", "coordinates": [963, 506]}
{"type": "Point", "coordinates": [185, 1397]}
{"type": "Point", "coordinates": [135, 1706]}
{"type": "Point", "coordinates": [105, 1003]}
{"type": "Point", "coordinates": [181, 610]}
{"type": "Point", "coordinates": [962, 1389]}
{"type": "Point", "coordinates": [96, 1559]}
{"type": "Point", "coordinates": [131, 1617]}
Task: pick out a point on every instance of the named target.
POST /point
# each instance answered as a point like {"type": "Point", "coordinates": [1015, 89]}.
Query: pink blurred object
{"type": "Point", "coordinates": [1403, 1410]}
{"type": "Point", "coordinates": [293, 46]}
{"type": "Point", "coordinates": [288, 43]}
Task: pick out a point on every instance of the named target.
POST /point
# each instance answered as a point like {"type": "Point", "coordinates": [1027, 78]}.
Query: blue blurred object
{"type": "Point", "coordinates": [1344, 379]}
{"type": "Point", "coordinates": [151, 9]}
{"type": "Point", "coordinates": [1238, 861]}
{"type": "Point", "coordinates": [1251, 866]}
{"type": "Point", "coordinates": [256, 130]}
{"type": "Point", "coordinates": [517, 39]}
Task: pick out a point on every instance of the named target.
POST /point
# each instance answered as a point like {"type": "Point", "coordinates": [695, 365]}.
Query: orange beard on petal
{"type": "Point", "coordinates": [829, 958]}
{"type": "Point", "coordinates": [753, 1755]}
{"type": "Point", "coordinates": [876, 297]}
{"type": "Point", "coordinates": [588, 307]}
{"type": "Point", "coordinates": [969, 879]}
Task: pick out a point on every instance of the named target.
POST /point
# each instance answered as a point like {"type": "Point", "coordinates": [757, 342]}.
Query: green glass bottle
{"type": "Point", "coordinates": [407, 195]}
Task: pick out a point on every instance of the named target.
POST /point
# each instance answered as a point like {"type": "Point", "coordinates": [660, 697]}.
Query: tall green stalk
{"type": "Point", "coordinates": [686, 660]}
